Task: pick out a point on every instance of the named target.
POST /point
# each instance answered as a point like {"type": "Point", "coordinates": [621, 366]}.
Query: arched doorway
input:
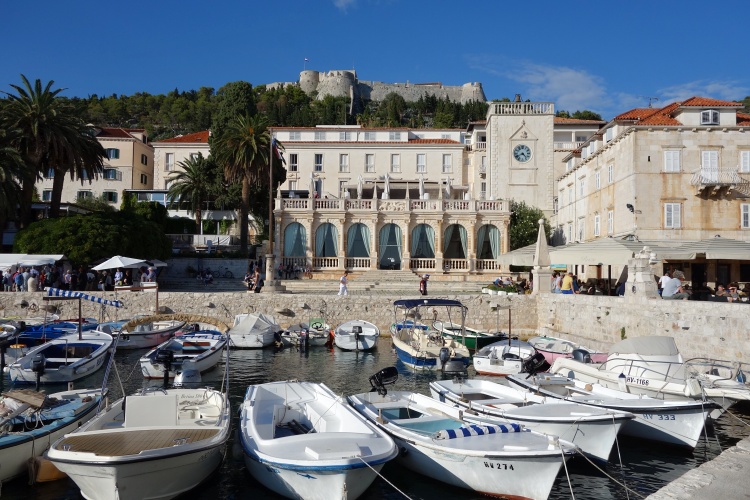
{"type": "Point", "coordinates": [454, 242]}
{"type": "Point", "coordinates": [390, 243]}
{"type": "Point", "coordinates": [326, 241]}
{"type": "Point", "coordinates": [358, 241]}
{"type": "Point", "coordinates": [488, 242]}
{"type": "Point", "coordinates": [423, 242]}
{"type": "Point", "coordinates": [295, 240]}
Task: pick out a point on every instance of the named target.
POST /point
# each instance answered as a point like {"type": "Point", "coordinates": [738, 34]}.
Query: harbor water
{"type": "Point", "coordinates": [646, 466]}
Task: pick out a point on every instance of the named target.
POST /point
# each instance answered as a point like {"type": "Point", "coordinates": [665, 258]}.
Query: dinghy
{"type": "Point", "coordinates": [253, 331]}
{"type": "Point", "coordinates": [508, 357]}
{"type": "Point", "coordinates": [147, 332]}
{"type": "Point", "coordinates": [553, 348]}
{"type": "Point", "coordinates": [499, 460]}
{"type": "Point", "coordinates": [199, 351]}
{"type": "Point", "coordinates": [594, 430]}
{"type": "Point", "coordinates": [301, 440]}
{"type": "Point", "coordinates": [32, 421]}
{"type": "Point", "coordinates": [674, 422]}
{"type": "Point", "coordinates": [159, 443]}
{"type": "Point", "coordinates": [356, 335]}
{"type": "Point", "coordinates": [61, 360]}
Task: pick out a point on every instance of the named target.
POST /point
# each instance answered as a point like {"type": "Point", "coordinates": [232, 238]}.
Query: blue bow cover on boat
{"type": "Point", "coordinates": [57, 292]}
{"type": "Point", "coordinates": [476, 430]}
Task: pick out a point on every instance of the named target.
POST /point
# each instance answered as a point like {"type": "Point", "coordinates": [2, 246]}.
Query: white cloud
{"type": "Point", "coordinates": [570, 89]}
{"type": "Point", "coordinates": [343, 4]}
{"type": "Point", "coordinates": [728, 90]}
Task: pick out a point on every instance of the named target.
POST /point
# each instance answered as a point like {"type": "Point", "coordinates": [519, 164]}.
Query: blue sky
{"type": "Point", "coordinates": [606, 56]}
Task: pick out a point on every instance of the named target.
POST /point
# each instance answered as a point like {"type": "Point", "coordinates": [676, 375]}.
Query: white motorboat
{"type": "Point", "coordinates": [470, 337]}
{"type": "Point", "coordinates": [64, 359]}
{"type": "Point", "coordinates": [156, 444]}
{"type": "Point", "coordinates": [356, 335]}
{"type": "Point", "coordinates": [303, 335]}
{"type": "Point", "coordinates": [422, 348]}
{"type": "Point", "coordinates": [147, 334]}
{"type": "Point", "coordinates": [675, 422]}
{"type": "Point", "coordinates": [197, 351]}
{"type": "Point", "coordinates": [302, 441]}
{"type": "Point", "coordinates": [500, 460]}
{"type": "Point", "coordinates": [592, 429]}
{"type": "Point", "coordinates": [553, 348]}
{"type": "Point", "coordinates": [32, 421]}
{"type": "Point", "coordinates": [253, 331]}
{"type": "Point", "coordinates": [653, 366]}
{"type": "Point", "coordinates": [508, 357]}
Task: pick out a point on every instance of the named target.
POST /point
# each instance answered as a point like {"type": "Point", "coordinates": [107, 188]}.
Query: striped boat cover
{"type": "Point", "coordinates": [57, 292]}
{"type": "Point", "coordinates": [477, 430]}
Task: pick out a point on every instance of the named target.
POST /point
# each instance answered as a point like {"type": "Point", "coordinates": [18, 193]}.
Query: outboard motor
{"type": "Point", "coordinates": [188, 375]}
{"type": "Point", "coordinates": [357, 329]}
{"type": "Point", "coordinates": [581, 355]}
{"type": "Point", "coordinates": [386, 376]}
{"type": "Point", "coordinates": [38, 362]}
{"type": "Point", "coordinates": [277, 340]}
{"type": "Point", "coordinates": [166, 358]}
{"type": "Point", "coordinates": [535, 364]}
{"type": "Point", "coordinates": [455, 368]}
{"type": "Point", "coordinates": [444, 355]}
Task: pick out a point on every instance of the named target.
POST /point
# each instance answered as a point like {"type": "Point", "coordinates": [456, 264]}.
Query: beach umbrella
{"type": "Point", "coordinates": [156, 263]}
{"type": "Point", "coordinates": [120, 261]}
{"type": "Point", "coordinates": [716, 248]}
{"type": "Point", "coordinates": [387, 187]}
{"type": "Point", "coordinates": [421, 186]}
{"type": "Point", "coordinates": [360, 185]}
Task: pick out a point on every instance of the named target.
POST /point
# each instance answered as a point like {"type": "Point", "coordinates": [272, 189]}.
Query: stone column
{"type": "Point", "coordinates": [542, 280]}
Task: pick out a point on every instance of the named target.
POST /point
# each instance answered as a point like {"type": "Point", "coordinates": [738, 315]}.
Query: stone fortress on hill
{"type": "Point", "coordinates": [344, 83]}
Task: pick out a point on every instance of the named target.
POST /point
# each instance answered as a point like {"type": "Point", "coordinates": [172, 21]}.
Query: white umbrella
{"type": "Point", "coordinates": [120, 261]}
{"type": "Point", "coordinates": [523, 256]}
{"type": "Point", "coordinates": [387, 187]}
{"type": "Point", "coordinates": [157, 263]}
{"type": "Point", "coordinates": [712, 248]}
{"type": "Point", "coordinates": [360, 183]}
{"type": "Point", "coordinates": [421, 186]}
{"type": "Point", "coordinates": [448, 187]}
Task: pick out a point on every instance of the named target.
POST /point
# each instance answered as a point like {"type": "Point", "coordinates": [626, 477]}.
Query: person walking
{"type": "Point", "coordinates": [343, 281]}
{"type": "Point", "coordinates": [423, 284]}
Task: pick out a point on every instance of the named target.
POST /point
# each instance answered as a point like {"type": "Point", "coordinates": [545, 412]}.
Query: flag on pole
{"type": "Point", "coordinates": [277, 151]}
{"type": "Point", "coordinates": [306, 59]}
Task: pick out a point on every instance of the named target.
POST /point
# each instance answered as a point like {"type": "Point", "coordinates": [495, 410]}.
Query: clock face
{"type": "Point", "coordinates": [522, 153]}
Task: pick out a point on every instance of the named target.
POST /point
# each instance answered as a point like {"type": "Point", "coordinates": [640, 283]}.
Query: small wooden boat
{"type": "Point", "coordinates": [302, 336]}
{"type": "Point", "coordinates": [508, 357]}
{"type": "Point", "coordinates": [675, 422]}
{"type": "Point", "coordinates": [499, 460]}
{"type": "Point", "coordinates": [594, 430]}
{"type": "Point", "coordinates": [426, 349]}
{"type": "Point", "coordinates": [553, 348]}
{"type": "Point", "coordinates": [301, 440]}
{"type": "Point", "coordinates": [61, 360]}
{"type": "Point", "coordinates": [155, 444]}
{"type": "Point", "coordinates": [253, 331]}
{"type": "Point", "coordinates": [356, 335]}
{"type": "Point", "coordinates": [197, 351]}
{"type": "Point", "coordinates": [32, 421]}
{"type": "Point", "coordinates": [472, 338]}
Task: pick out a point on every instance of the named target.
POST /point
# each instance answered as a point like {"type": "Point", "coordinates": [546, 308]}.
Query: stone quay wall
{"type": "Point", "coordinates": [288, 309]}
{"type": "Point", "coordinates": [718, 330]}
{"type": "Point", "coordinates": [701, 329]}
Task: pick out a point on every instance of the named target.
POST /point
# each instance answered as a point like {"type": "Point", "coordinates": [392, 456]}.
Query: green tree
{"type": "Point", "coordinates": [11, 170]}
{"type": "Point", "coordinates": [95, 204]}
{"type": "Point", "coordinates": [52, 136]}
{"type": "Point", "coordinates": [524, 224]}
{"type": "Point", "coordinates": [233, 99]}
{"type": "Point", "coordinates": [190, 187]}
{"type": "Point", "coordinates": [87, 238]}
{"type": "Point", "coordinates": [243, 151]}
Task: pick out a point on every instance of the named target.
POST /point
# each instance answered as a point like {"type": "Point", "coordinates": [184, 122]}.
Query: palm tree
{"type": "Point", "coordinates": [52, 136]}
{"type": "Point", "coordinates": [243, 150]}
{"type": "Point", "coordinates": [191, 186]}
{"type": "Point", "coordinates": [11, 170]}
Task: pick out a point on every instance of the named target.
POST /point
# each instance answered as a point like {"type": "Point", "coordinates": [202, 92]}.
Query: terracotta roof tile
{"type": "Point", "coordinates": [634, 114]}
{"type": "Point", "coordinates": [201, 137]}
{"type": "Point", "coordinates": [706, 102]}
{"type": "Point", "coordinates": [743, 119]}
{"type": "Point", "coordinates": [433, 141]}
{"type": "Point", "coordinates": [575, 121]}
{"type": "Point", "coordinates": [663, 116]}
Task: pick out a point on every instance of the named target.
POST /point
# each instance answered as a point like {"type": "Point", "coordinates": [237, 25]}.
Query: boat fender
{"type": "Point", "coordinates": [693, 388]}
{"type": "Point", "coordinates": [741, 376]}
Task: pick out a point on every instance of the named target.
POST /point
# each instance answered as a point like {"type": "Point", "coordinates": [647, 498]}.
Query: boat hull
{"type": "Point", "coordinates": [421, 360]}
{"type": "Point", "coordinates": [251, 340]}
{"type": "Point", "coordinates": [15, 450]}
{"type": "Point", "coordinates": [147, 339]}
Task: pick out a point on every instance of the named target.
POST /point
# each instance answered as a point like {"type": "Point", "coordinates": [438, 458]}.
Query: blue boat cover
{"type": "Point", "coordinates": [411, 303]}
{"type": "Point", "coordinates": [477, 430]}
{"type": "Point", "coordinates": [57, 292]}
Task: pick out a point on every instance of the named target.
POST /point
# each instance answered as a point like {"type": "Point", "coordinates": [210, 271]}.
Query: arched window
{"type": "Point", "coordinates": [423, 242]}
{"type": "Point", "coordinates": [358, 241]}
{"type": "Point", "coordinates": [488, 242]}
{"type": "Point", "coordinates": [295, 240]}
{"type": "Point", "coordinates": [454, 242]}
{"type": "Point", "coordinates": [326, 241]}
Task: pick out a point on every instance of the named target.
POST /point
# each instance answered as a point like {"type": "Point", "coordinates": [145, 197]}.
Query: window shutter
{"type": "Point", "coordinates": [745, 161]}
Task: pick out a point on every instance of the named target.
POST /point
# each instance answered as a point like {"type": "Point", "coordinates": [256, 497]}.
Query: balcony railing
{"type": "Point", "coordinates": [339, 204]}
{"type": "Point", "coordinates": [478, 146]}
{"type": "Point", "coordinates": [570, 146]}
{"type": "Point", "coordinates": [720, 177]}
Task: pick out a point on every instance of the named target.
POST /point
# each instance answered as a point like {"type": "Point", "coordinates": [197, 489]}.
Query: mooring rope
{"type": "Point", "coordinates": [619, 456]}
{"type": "Point", "coordinates": [384, 479]}
{"type": "Point", "coordinates": [565, 465]}
{"type": "Point", "coordinates": [612, 478]}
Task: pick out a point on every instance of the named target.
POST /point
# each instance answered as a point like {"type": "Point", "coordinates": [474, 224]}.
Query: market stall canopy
{"type": "Point", "coordinates": [120, 261]}
{"type": "Point", "coordinates": [711, 248]}
{"type": "Point", "coordinates": [156, 263]}
{"type": "Point", "coordinates": [523, 256]}
{"type": "Point", "coordinates": [24, 259]}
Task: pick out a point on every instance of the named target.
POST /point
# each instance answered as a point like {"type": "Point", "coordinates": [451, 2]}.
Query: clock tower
{"type": "Point", "coordinates": [521, 152]}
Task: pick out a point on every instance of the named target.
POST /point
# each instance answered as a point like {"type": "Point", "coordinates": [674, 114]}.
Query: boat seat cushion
{"type": "Point", "coordinates": [159, 410]}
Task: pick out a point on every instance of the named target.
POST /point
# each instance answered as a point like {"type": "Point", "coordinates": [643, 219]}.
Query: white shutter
{"type": "Point", "coordinates": [745, 161]}
{"type": "Point", "coordinates": [745, 216]}
{"type": "Point", "coordinates": [671, 161]}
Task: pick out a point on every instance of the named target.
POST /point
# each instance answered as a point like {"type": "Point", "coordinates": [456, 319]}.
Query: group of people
{"type": "Point", "coordinates": [252, 279]}
{"type": "Point", "coordinates": [523, 286]}
{"type": "Point", "coordinates": [291, 271]}
{"type": "Point", "coordinates": [672, 287]}
{"type": "Point", "coordinates": [37, 278]}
